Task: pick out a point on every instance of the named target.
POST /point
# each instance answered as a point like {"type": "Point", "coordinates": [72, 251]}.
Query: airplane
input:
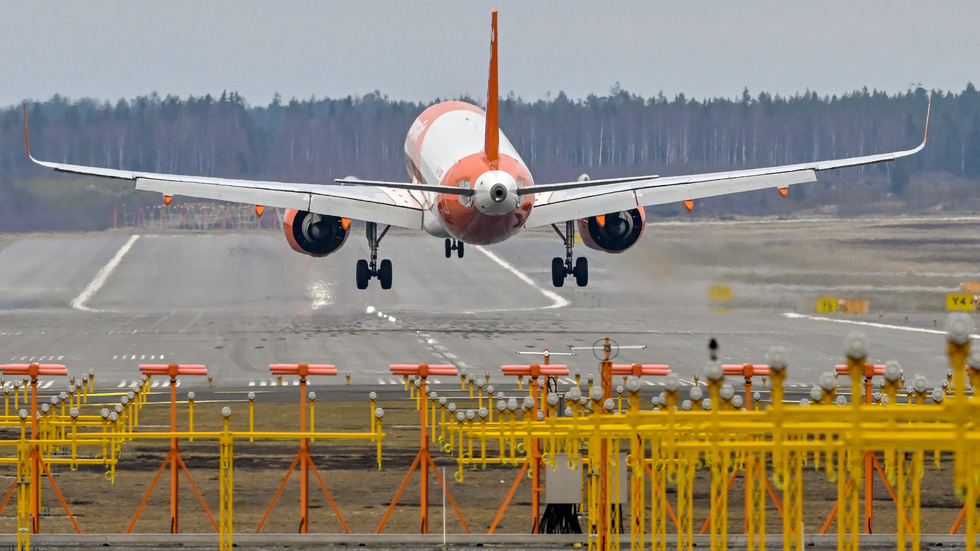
{"type": "Point", "coordinates": [468, 184]}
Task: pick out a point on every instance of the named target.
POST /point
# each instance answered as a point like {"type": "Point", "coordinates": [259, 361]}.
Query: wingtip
{"type": "Point", "coordinates": [27, 140]}
{"type": "Point", "coordinates": [925, 138]}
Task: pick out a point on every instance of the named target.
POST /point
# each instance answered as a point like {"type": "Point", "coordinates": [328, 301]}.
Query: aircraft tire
{"type": "Point", "coordinates": [384, 274]}
{"type": "Point", "coordinates": [557, 271]}
{"type": "Point", "coordinates": [363, 274]}
{"type": "Point", "coordinates": [449, 248]}
{"type": "Point", "coordinates": [459, 249]}
{"type": "Point", "coordinates": [582, 271]}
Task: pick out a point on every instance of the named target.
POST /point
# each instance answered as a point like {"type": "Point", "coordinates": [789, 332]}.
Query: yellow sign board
{"type": "Point", "coordinates": [961, 301]}
{"type": "Point", "coordinates": [720, 293]}
{"type": "Point", "coordinates": [828, 305]}
{"type": "Point", "coordinates": [854, 306]}
{"type": "Point", "coordinates": [831, 305]}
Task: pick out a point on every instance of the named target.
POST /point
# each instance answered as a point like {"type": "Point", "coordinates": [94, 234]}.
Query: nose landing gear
{"type": "Point", "coordinates": [454, 245]}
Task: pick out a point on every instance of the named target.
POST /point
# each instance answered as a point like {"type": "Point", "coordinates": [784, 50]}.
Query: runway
{"type": "Point", "coordinates": [237, 302]}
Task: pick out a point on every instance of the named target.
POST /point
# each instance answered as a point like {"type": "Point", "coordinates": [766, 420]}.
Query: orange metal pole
{"type": "Point", "coordinates": [304, 473]}
{"type": "Point", "coordinates": [425, 466]}
{"type": "Point", "coordinates": [174, 450]}
{"type": "Point", "coordinates": [275, 498]}
{"type": "Point", "coordinates": [398, 494]}
{"type": "Point", "coordinates": [510, 495]}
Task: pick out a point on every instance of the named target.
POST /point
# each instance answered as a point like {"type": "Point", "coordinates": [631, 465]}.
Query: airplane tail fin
{"type": "Point", "coordinates": [491, 144]}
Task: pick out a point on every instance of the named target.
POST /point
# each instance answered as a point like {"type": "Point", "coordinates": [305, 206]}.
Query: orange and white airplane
{"type": "Point", "coordinates": [470, 185]}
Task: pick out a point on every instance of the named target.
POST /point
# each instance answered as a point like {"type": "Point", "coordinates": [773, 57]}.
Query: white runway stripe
{"type": "Point", "coordinates": [557, 300]}
{"type": "Point", "coordinates": [793, 315]}
{"type": "Point", "coordinates": [78, 302]}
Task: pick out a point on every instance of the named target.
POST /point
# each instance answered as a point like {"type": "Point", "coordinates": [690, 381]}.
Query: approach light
{"type": "Point", "coordinates": [714, 372]}
{"type": "Point", "coordinates": [727, 392]}
{"type": "Point", "coordinates": [828, 382]}
{"type": "Point", "coordinates": [892, 371]}
{"type": "Point", "coordinates": [856, 346]}
{"type": "Point", "coordinates": [696, 393]}
{"type": "Point", "coordinates": [959, 327]}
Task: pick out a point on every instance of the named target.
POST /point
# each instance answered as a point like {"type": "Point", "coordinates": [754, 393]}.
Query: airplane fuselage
{"type": "Point", "coordinates": [445, 146]}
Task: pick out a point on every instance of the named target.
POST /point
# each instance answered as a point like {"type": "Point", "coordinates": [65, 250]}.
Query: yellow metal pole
{"type": "Point", "coordinates": [190, 414]}
{"type": "Point", "coordinates": [226, 490]}
{"type": "Point", "coordinates": [251, 415]}
{"type": "Point", "coordinates": [849, 458]}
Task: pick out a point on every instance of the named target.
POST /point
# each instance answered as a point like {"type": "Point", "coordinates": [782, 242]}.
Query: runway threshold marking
{"type": "Point", "coordinates": [557, 300]}
{"type": "Point", "coordinates": [793, 315]}
{"type": "Point", "coordinates": [78, 302]}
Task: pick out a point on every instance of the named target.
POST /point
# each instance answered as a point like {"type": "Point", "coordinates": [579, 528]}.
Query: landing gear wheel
{"type": "Point", "coordinates": [557, 271]}
{"type": "Point", "coordinates": [459, 249]}
{"type": "Point", "coordinates": [449, 248]}
{"type": "Point", "coordinates": [581, 271]}
{"type": "Point", "coordinates": [363, 274]}
{"type": "Point", "coordinates": [384, 274]}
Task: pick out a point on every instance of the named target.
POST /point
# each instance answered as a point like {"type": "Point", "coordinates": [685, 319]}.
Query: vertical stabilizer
{"type": "Point", "coordinates": [491, 145]}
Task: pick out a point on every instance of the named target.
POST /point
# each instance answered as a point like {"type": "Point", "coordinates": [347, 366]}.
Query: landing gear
{"type": "Point", "coordinates": [454, 245]}
{"type": "Point", "coordinates": [562, 268]}
{"type": "Point", "coordinates": [368, 269]}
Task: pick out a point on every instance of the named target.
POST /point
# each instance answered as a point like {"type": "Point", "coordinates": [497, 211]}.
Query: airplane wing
{"type": "Point", "coordinates": [554, 203]}
{"type": "Point", "coordinates": [394, 206]}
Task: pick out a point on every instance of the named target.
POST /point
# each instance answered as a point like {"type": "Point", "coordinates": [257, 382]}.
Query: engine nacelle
{"type": "Point", "coordinates": [614, 232]}
{"type": "Point", "coordinates": [314, 234]}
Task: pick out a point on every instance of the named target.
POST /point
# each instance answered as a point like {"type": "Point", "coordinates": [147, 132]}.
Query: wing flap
{"type": "Point", "coordinates": [584, 202]}
{"type": "Point", "coordinates": [285, 199]}
{"type": "Point", "coordinates": [573, 200]}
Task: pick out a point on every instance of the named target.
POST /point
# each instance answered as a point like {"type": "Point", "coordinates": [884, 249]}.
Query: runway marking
{"type": "Point", "coordinates": [558, 300]}
{"type": "Point", "coordinates": [793, 315]}
{"type": "Point", "coordinates": [78, 302]}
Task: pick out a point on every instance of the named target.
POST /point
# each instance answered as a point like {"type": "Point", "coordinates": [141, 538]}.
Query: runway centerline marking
{"type": "Point", "coordinates": [792, 315]}
{"type": "Point", "coordinates": [557, 300]}
{"type": "Point", "coordinates": [78, 302]}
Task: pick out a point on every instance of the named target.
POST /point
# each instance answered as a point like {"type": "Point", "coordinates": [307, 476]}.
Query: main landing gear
{"type": "Point", "coordinates": [454, 245]}
{"type": "Point", "coordinates": [560, 269]}
{"type": "Point", "coordinates": [366, 270]}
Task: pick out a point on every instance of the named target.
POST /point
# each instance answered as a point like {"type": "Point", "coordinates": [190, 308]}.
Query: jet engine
{"type": "Point", "coordinates": [314, 234]}
{"type": "Point", "coordinates": [615, 232]}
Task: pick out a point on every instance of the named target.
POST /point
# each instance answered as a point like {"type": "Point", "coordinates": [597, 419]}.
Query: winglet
{"type": "Point", "coordinates": [27, 141]}
{"type": "Point", "coordinates": [928, 112]}
{"type": "Point", "coordinates": [491, 144]}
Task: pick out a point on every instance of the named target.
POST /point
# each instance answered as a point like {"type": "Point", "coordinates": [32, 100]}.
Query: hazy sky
{"type": "Point", "coordinates": [419, 50]}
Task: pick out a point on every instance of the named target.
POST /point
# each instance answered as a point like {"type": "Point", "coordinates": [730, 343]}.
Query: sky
{"type": "Point", "coordinates": [422, 50]}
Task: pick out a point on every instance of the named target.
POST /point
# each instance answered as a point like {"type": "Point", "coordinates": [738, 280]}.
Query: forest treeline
{"type": "Point", "coordinates": [319, 139]}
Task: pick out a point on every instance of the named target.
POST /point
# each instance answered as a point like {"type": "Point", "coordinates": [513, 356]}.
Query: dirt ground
{"type": "Point", "coordinates": [362, 492]}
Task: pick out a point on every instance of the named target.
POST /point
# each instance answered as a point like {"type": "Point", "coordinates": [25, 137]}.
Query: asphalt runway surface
{"type": "Point", "coordinates": [238, 302]}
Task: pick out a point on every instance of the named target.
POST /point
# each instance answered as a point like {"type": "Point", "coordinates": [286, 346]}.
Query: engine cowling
{"type": "Point", "coordinates": [615, 232]}
{"type": "Point", "coordinates": [314, 234]}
